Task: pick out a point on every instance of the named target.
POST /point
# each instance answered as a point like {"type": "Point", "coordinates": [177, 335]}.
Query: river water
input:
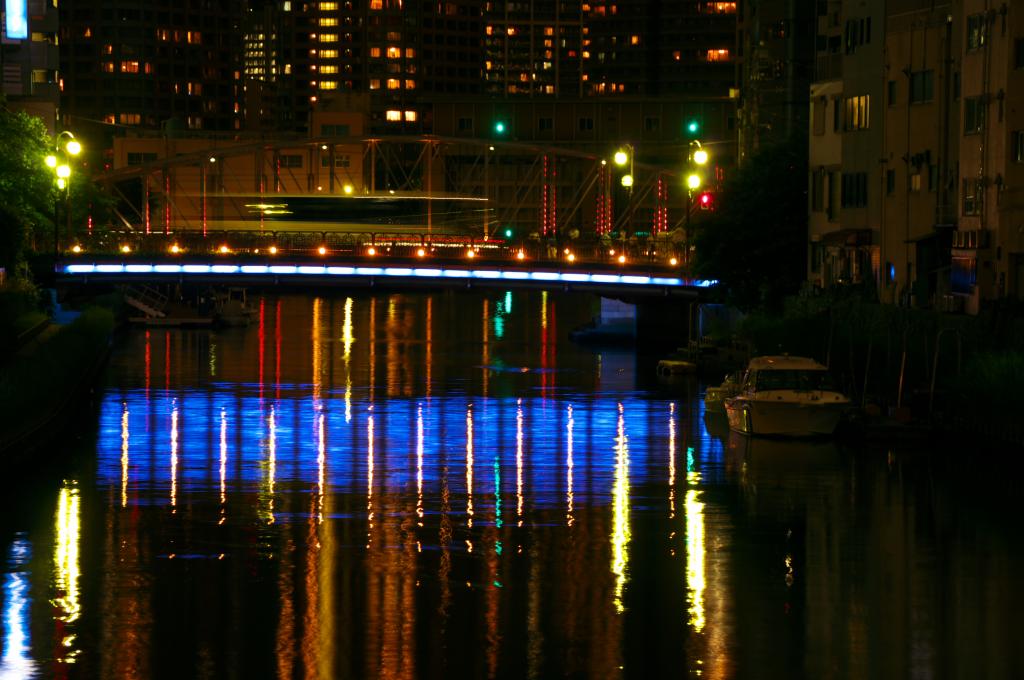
{"type": "Point", "coordinates": [441, 486]}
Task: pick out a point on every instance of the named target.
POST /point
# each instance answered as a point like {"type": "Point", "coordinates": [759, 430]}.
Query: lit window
{"type": "Point", "coordinates": [328, 68]}
{"type": "Point", "coordinates": [129, 118]}
{"type": "Point", "coordinates": [394, 84]}
{"type": "Point", "coordinates": [328, 54]}
{"type": "Point", "coordinates": [634, 40]}
{"type": "Point", "coordinates": [410, 116]}
{"type": "Point", "coordinates": [718, 55]}
{"type": "Point", "coordinates": [374, 83]}
{"type": "Point", "coordinates": [328, 6]}
{"type": "Point", "coordinates": [328, 21]}
{"type": "Point", "coordinates": [328, 84]}
{"type": "Point", "coordinates": [108, 66]}
{"type": "Point", "coordinates": [393, 116]}
{"type": "Point", "coordinates": [287, 6]}
{"type": "Point", "coordinates": [394, 52]}
{"type": "Point", "coordinates": [328, 37]}
{"type": "Point", "coordinates": [409, 53]}
{"type": "Point", "coordinates": [375, 52]}
{"type": "Point", "coordinates": [376, 4]}
{"type": "Point", "coordinates": [129, 67]}
{"type": "Point", "coordinates": [194, 37]}
{"type": "Point", "coordinates": [410, 84]}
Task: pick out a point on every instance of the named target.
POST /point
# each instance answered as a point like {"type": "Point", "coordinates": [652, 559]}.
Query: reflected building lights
{"type": "Point", "coordinates": [124, 455]}
{"type": "Point", "coordinates": [695, 577]}
{"type": "Point", "coordinates": [620, 513]}
{"type": "Point", "coordinates": [317, 350]}
{"type": "Point", "coordinates": [66, 562]}
{"type": "Point", "coordinates": [469, 466]}
{"type": "Point", "coordinates": [671, 461]}
{"type": "Point", "coordinates": [569, 470]}
{"type": "Point", "coordinates": [174, 459]}
{"type": "Point", "coordinates": [419, 465]}
{"type": "Point", "coordinates": [223, 462]}
{"type": "Point", "coordinates": [519, 461]}
{"type": "Point", "coordinates": [16, 661]}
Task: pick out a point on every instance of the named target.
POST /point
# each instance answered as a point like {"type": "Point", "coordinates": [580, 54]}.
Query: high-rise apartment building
{"type": "Point", "coordinates": [144, 64]}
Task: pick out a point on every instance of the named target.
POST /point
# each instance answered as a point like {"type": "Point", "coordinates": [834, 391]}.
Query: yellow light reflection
{"type": "Point", "coordinates": [223, 462]}
{"type": "Point", "coordinates": [419, 464]}
{"type": "Point", "coordinates": [695, 579]}
{"type": "Point", "coordinates": [519, 461]}
{"type": "Point", "coordinates": [124, 457]}
{"type": "Point", "coordinates": [66, 560]}
{"type": "Point", "coordinates": [272, 466]}
{"type": "Point", "coordinates": [347, 339]}
{"type": "Point", "coordinates": [569, 468]}
{"type": "Point", "coordinates": [620, 513]}
{"type": "Point", "coordinates": [469, 466]}
{"type": "Point", "coordinates": [430, 342]}
{"type": "Point", "coordinates": [174, 460]}
{"type": "Point", "coordinates": [369, 477]}
{"type": "Point", "coordinates": [544, 310]}
{"type": "Point", "coordinates": [321, 460]}
{"type": "Point", "coordinates": [317, 350]}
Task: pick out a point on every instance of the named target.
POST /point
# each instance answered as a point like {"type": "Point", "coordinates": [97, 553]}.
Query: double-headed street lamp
{"type": "Point", "coordinates": [65, 146]}
{"type": "Point", "coordinates": [621, 158]}
{"type": "Point", "coordinates": [696, 160]}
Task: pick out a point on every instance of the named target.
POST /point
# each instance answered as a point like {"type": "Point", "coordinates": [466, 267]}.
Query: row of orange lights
{"type": "Point", "coordinates": [471, 253]}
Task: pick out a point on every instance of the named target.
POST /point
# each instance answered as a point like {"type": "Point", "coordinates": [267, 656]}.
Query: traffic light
{"type": "Point", "coordinates": [706, 201]}
{"type": "Point", "coordinates": [692, 127]}
{"type": "Point", "coordinates": [508, 232]}
{"type": "Point", "coordinates": [500, 127]}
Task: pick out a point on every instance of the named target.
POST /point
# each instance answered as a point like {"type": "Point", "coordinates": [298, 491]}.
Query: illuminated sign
{"type": "Point", "coordinates": [16, 19]}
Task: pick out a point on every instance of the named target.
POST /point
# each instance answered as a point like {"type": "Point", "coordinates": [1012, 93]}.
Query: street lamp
{"type": "Point", "coordinates": [697, 159]}
{"type": "Point", "coordinates": [65, 147]}
{"type": "Point", "coordinates": [621, 158]}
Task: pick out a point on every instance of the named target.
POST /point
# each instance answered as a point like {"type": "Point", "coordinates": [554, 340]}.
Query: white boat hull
{"type": "Point", "coordinates": [785, 418]}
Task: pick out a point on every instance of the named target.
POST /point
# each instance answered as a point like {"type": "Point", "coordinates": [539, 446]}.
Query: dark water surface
{"type": "Point", "coordinates": [440, 486]}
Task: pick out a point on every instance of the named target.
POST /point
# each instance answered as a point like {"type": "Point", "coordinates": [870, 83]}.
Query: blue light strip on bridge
{"type": "Point", "coordinates": [418, 272]}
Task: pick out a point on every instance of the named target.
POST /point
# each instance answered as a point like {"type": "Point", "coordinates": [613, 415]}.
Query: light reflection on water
{"type": "Point", "coordinates": [401, 486]}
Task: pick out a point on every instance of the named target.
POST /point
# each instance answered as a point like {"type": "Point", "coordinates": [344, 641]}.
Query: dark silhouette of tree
{"type": "Point", "coordinates": [755, 243]}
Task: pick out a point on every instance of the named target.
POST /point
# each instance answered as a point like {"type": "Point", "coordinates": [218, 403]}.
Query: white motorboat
{"type": "Point", "coordinates": [786, 396]}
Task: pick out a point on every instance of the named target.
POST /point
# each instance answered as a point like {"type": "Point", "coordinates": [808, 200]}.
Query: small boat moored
{"type": "Point", "coordinates": [786, 396]}
{"type": "Point", "coordinates": [714, 397]}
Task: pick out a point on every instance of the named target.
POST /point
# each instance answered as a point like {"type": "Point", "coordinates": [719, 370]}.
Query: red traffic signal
{"type": "Point", "coordinates": [706, 201]}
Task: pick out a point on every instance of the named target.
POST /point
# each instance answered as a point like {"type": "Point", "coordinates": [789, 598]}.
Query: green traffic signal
{"type": "Point", "coordinates": [499, 127]}
{"type": "Point", "coordinates": [508, 233]}
{"type": "Point", "coordinates": [693, 127]}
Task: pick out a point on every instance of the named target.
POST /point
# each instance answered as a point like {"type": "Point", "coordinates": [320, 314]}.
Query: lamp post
{"type": "Point", "coordinates": [696, 159]}
{"type": "Point", "coordinates": [65, 147]}
{"type": "Point", "coordinates": [623, 156]}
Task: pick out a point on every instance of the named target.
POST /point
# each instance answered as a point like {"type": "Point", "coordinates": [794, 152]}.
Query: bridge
{"type": "Point", "coordinates": [651, 280]}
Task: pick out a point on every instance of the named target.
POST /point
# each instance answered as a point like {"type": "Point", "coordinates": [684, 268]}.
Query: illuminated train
{"type": "Point", "coordinates": [364, 214]}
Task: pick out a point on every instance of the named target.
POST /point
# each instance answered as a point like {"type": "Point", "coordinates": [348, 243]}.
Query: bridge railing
{"type": "Point", "coordinates": [658, 252]}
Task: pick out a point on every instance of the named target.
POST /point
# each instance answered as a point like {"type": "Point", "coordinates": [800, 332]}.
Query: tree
{"type": "Point", "coordinates": [26, 184]}
{"type": "Point", "coordinates": [755, 243]}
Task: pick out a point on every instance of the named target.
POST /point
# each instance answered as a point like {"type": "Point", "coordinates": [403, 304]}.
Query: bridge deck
{"type": "Point", "coordinates": [406, 274]}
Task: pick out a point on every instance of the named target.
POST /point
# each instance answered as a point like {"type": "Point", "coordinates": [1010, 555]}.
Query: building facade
{"type": "Point", "coordinates": [30, 60]}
